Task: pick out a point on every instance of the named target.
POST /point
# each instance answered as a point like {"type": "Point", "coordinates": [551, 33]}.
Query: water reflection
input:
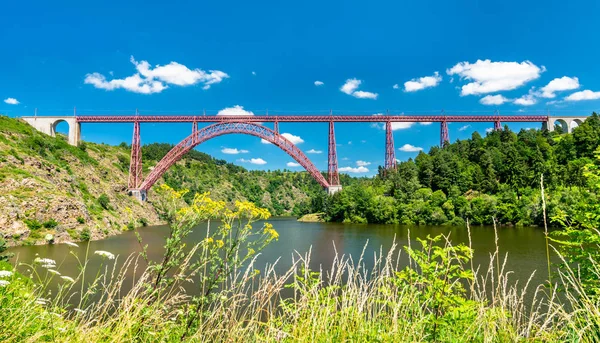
{"type": "Point", "coordinates": [525, 246]}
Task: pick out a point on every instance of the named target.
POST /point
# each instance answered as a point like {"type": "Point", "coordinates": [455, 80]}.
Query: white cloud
{"type": "Point", "coordinates": [289, 136]}
{"type": "Point", "coordinates": [489, 129]}
{"type": "Point", "coordinates": [292, 138]}
{"type": "Point", "coordinates": [293, 164]}
{"type": "Point", "coordinates": [351, 86]}
{"type": "Point", "coordinates": [583, 95]}
{"type": "Point", "coordinates": [425, 123]}
{"type": "Point", "coordinates": [564, 83]}
{"type": "Point", "coordinates": [395, 86]}
{"type": "Point", "coordinates": [422, 82]}
{"type": "Point", "coordinates": [354, 170]}
{"type": "Point", "coordinates": [258, 161]}
{"type": "Point", "coordinates": [319, 83]}
{"type": "Point", "coordinates": [150, 80]}
{"type": "Point", "coordinates": [11, 101]}
{"type": "Point", "coordinates": [410, 148]}
{"type": "Point", "coordinates": [526, 100]}
{"type": "Point", "coordinates": [490, 77]}
{"type": "Point", "coordinates": [233, 151]}
{"type": "Point", "coordinates": [493, 100]}
{"type": "Point", "coordinates": [313, 151]}
{"type": "Point", "coordinates": [254, 73]}
{"type": "Point", "coordinates": [236, 110]}
{"type": "Point", "coordinates": [345, 159]}
{"type": "Point", "coordinates": [365, 95]}
{"type": "Point", "coordinates": [362, 163]}
{"type": "Point", "coordinates": [134, 83]}
{"type": "Point", "coordinates": [462, 128]}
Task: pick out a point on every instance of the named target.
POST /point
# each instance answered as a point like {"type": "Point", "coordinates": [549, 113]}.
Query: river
{"type": "Point", "coordinates": [525, 245]}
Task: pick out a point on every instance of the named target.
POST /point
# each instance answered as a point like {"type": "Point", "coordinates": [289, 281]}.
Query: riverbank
{"type": "Point", "coordinates": [312, 218]}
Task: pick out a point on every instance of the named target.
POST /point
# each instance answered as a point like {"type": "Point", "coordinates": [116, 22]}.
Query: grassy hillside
{"type": "Point", "coordinates": [77, 193]}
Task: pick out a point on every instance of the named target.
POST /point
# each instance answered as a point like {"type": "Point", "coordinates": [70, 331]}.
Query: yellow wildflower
{"type": "Point", "coordinates": [220, 243]}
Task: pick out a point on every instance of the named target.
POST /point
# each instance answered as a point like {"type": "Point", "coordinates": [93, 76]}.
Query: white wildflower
{"type": "Point", "coordinates": [71, 244]}
{"type": "Point", "coordinates": [4, 283]}
{"type": "Point", "coordinates": [67, 278]}
{"type": "Point", "coordinates": [48, 266]}
{"type": "Point", "coordinates": [5, 273]}
{"type": "Point", "coordinates": [54, 271]}
{"type": "Point", "coordinates": [106, 254]}
{"type": "Point", "coordinates": [80, 311]}
{"type": "Point", "coordinates": [61, 329]}
{"type": "Point", "coordinates": [44, 261]}
{"type": "Point", "coordinates": [41, 301]}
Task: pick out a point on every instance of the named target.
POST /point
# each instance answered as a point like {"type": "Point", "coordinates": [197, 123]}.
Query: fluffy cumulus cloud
{"type": "Point", "coordinates": [313, 151]}
{"type": "Point", "coordinates": [233, 151]}
{"type": "Point", "coordinates": [583, 95]}
{"type": "Point", "coordinates": [319, 83]}
{"type": "Point", "coordinates": [258, 161]}
{"type": "Point", "coordinates": [293, 164]}
{"type": "Point", "coordinates": [410, 148]}
{"type": "Point", "coordinates": [493, 100]}
{"type": "Point", "coordinates": [422, 82]}
{"type": "Point", "coordinates": [236, 110]}
{"type": "Point", "coordinates": [526, 100]}
{"type": "Point", "coordinates": [362, 163]}
{"type": "Point", "coordinates": [463, 128]}
{"type": "Point", "coordinates": [564, 83]}
{"type": "Point", "coordinates": [354, 170]}
{"type": "Point", "coordinates": [489, 77]}
{"type": "Point", "coordinates": [292, 138]}
{"type": "Point", "coordinates": [148, 79]}
{"type": "Point", "coordinates": [11, 101]}
{"type": "Point", "coordinates": [351, 86]}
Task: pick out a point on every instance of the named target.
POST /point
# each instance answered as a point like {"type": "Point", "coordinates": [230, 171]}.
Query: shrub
{"type": "Point", "coordinates": [143, 221]}
{"type": "Point", "coordinates": [50, 224]}
{"type": "Point", "coordinates": [104, 201]}
{"type": "Point", "coordinates": [85, 234]}
{"type": "Point", "coordinates": [80, 220]}
{"type": "Point", "coordinates": [33, 224]}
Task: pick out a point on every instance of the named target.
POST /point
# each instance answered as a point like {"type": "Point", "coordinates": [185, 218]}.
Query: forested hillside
{"type": "Point", "coordinates": [497, 176]}
{"type": "Point", "coordinates": [279, 191]}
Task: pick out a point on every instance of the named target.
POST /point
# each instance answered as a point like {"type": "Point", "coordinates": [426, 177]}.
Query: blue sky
{"type": "Point", "coordinates": [112, 57]}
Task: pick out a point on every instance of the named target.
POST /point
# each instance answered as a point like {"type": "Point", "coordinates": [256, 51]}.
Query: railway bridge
{"type": "Point", "coordinates": [254, 125]}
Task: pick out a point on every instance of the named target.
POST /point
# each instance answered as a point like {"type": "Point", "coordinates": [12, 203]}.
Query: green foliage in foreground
{"type": "Point", "coordinates": [478, 179]}
{"type": "Point", "coordinates": [211, 292]}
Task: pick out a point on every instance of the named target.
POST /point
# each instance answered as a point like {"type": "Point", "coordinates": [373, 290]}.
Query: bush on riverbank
{"type": "Point", "coordinates": [212, 292]}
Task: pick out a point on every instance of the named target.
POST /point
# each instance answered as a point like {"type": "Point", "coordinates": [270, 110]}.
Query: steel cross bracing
{"type": "Point", "coordinates": [332, 169]}
{"type": "Point", "coordinates": [307, 118]}
{"type": "Point", "coordinates": [219, 129]}
{"type": "Point", "coordinates": [135, 166]}
{"type": "Point", "coordinates": [390, 153]}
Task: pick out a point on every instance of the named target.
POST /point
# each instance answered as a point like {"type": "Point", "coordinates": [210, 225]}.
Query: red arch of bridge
{"type": "Point", "coordinates": [220, 129]}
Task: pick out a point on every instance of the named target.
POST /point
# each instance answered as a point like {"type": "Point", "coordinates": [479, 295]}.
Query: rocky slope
{"type": "Point", "coordinates": [50, 190]}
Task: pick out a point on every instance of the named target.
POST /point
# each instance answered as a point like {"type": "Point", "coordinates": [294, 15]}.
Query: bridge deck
{"type": "Point", "coordinates": [308, 118]}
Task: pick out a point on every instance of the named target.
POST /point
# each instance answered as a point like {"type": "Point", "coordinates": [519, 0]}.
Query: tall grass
{"type": "Point", "coordinates": [440, 296]}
